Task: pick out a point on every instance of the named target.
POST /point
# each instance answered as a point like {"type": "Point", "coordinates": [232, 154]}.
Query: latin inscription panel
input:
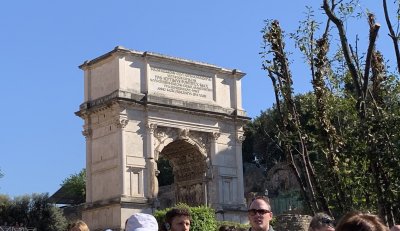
{"type": "Point", "coordinates": [177, 84]}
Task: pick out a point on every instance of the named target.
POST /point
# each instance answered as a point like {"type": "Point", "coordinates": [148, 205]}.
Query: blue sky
{"type": "Point", "coordinates": [43, 42]}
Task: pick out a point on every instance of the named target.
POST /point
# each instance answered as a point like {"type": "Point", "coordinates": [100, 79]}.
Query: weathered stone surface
{"type": "Point", "coordinates": [139, 106]}
{"type": "Point", "coordinates": [292, 222]}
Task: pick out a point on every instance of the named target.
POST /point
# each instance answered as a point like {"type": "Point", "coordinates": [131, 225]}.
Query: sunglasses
{"type": "Point", "coordinates": [253, 212]}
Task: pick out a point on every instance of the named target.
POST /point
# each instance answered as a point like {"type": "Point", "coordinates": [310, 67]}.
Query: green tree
{"type": "Point", "coordinates": [32, 211]}
{"type": "Point", "coordinates": [75, 186]}
{"type": "Point", "coordinates": [261, 145]}
{"type": "Point", "coordinates": [166, 176]}
{"type": "Point", "coordinates": [342, 146]}
{"type": "Point", "coordinates": [45, 216]}
{"type": "Point", "coordinates": [5, 204]}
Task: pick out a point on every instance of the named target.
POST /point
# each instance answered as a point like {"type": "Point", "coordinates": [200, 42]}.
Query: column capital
{"type": "Point", "coordinates": [152, 127]}
{"type": "Point", "coordinates": [216, 135]}
{"type": "Point", "coordinates": [87, 133]}
{"type": "Point", "coordinates": [121, 122]}
{"type": "Point", "coordinates": [240, 138]}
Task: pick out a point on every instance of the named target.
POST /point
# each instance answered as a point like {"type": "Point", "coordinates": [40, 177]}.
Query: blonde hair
{"type": "Point", "coordinates": [79, 225]}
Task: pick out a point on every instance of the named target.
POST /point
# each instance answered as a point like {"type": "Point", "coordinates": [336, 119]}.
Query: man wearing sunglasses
{"type": "Point", "coordinates": [260, 214]}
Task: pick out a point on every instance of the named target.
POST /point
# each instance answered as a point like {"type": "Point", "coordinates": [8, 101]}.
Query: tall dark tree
{"type": "Point", "coordinates": [345, 154]}
{"type": "Point", "coordinates": [293, 139]}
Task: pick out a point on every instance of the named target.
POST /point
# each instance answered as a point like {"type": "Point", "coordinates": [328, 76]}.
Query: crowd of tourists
{"type": "Point", "coordinates": [260, 216]}
{"type": "Point", "coordinates": [175, 220]}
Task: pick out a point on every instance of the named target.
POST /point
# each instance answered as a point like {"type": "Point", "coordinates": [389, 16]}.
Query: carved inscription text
{"type": "Point", "coordinates": [174, 83]}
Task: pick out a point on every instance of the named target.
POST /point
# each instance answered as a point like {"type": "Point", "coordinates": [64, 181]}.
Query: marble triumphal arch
{"type": "Point", "coordinates": [140, 106]}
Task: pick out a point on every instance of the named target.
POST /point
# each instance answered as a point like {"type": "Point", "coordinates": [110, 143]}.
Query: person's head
{"type": "Point", "coordinates": [79, 225]}
{"type": "Point", "coordinates": [227, 228]}
{"type": "Point", "coordinates": [322, 222]}
{"type": "Point", "coordinates": [260, 213]}
{"type": "Point", "coordinates": [395, 228]}
{"type": "Point", "coordinates": [177, 219]}
{"type": "Point", "coordinates": [141, 222]}
{"type": "Point", "coordinates": [356, 221]}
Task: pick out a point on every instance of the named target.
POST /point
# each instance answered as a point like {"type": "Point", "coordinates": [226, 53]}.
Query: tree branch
{"type": "Point", "coordinates": [373, 33]}
{"type": "Point", "coordinates": [354, 54]}
{"type": "Point", "coordinates": [276, 92]}
{"type": "Point", "coordinates": [325, 34]}
{"type": "Point", "coordinates": [392, 35]}
{"type": "Point", "coordinates": [272, 71]}
{"type": "Point", "coordinates": [345, 46]}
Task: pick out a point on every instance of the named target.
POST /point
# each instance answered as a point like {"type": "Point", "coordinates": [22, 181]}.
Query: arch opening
{"type": "Point", "coordinates": [188, 166]}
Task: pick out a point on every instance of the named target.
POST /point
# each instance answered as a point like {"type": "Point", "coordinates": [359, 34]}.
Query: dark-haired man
{"type": "Point", "coordinates": [177, 220]}
{"type": "Point", "coordinates": [260, 214]}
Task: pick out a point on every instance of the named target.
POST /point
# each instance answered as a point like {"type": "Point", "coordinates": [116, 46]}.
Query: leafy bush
{"type": "Point", "coordinates": [237, 225]}
{"type": "Point", "coordinates": [203, 217]}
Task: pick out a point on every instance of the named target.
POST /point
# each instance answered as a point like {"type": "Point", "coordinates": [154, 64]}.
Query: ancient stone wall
{"type": "Point", "coordinates": [292, 222]}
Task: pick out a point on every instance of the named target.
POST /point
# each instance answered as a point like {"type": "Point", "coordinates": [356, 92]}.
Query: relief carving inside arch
{"type": "Point", "coordinates": [191, 194]}
{"type": "Point", "coordinates": [166, 135]}
{"type": "Point", "coordinates": [188, 154]}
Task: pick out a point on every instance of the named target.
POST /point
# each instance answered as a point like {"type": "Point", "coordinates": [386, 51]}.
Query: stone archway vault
{"type": "Point", "coordinates": [189, 169]}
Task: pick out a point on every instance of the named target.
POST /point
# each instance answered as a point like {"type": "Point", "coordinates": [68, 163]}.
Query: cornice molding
{"type": "Point", "coordinates": [149, 101]}
{"type": "Point", "coordinates": [122, 51]}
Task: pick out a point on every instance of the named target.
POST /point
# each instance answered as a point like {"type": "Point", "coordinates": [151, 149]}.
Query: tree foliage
{"type": "Point", "coordinates": [75, 186]}
{"type": "Point", "coordinates": [166, 175]}
{"type": "Point", "coordinates": [341, 140]}
{"type": "Point", "coordinates": [31, 211]}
